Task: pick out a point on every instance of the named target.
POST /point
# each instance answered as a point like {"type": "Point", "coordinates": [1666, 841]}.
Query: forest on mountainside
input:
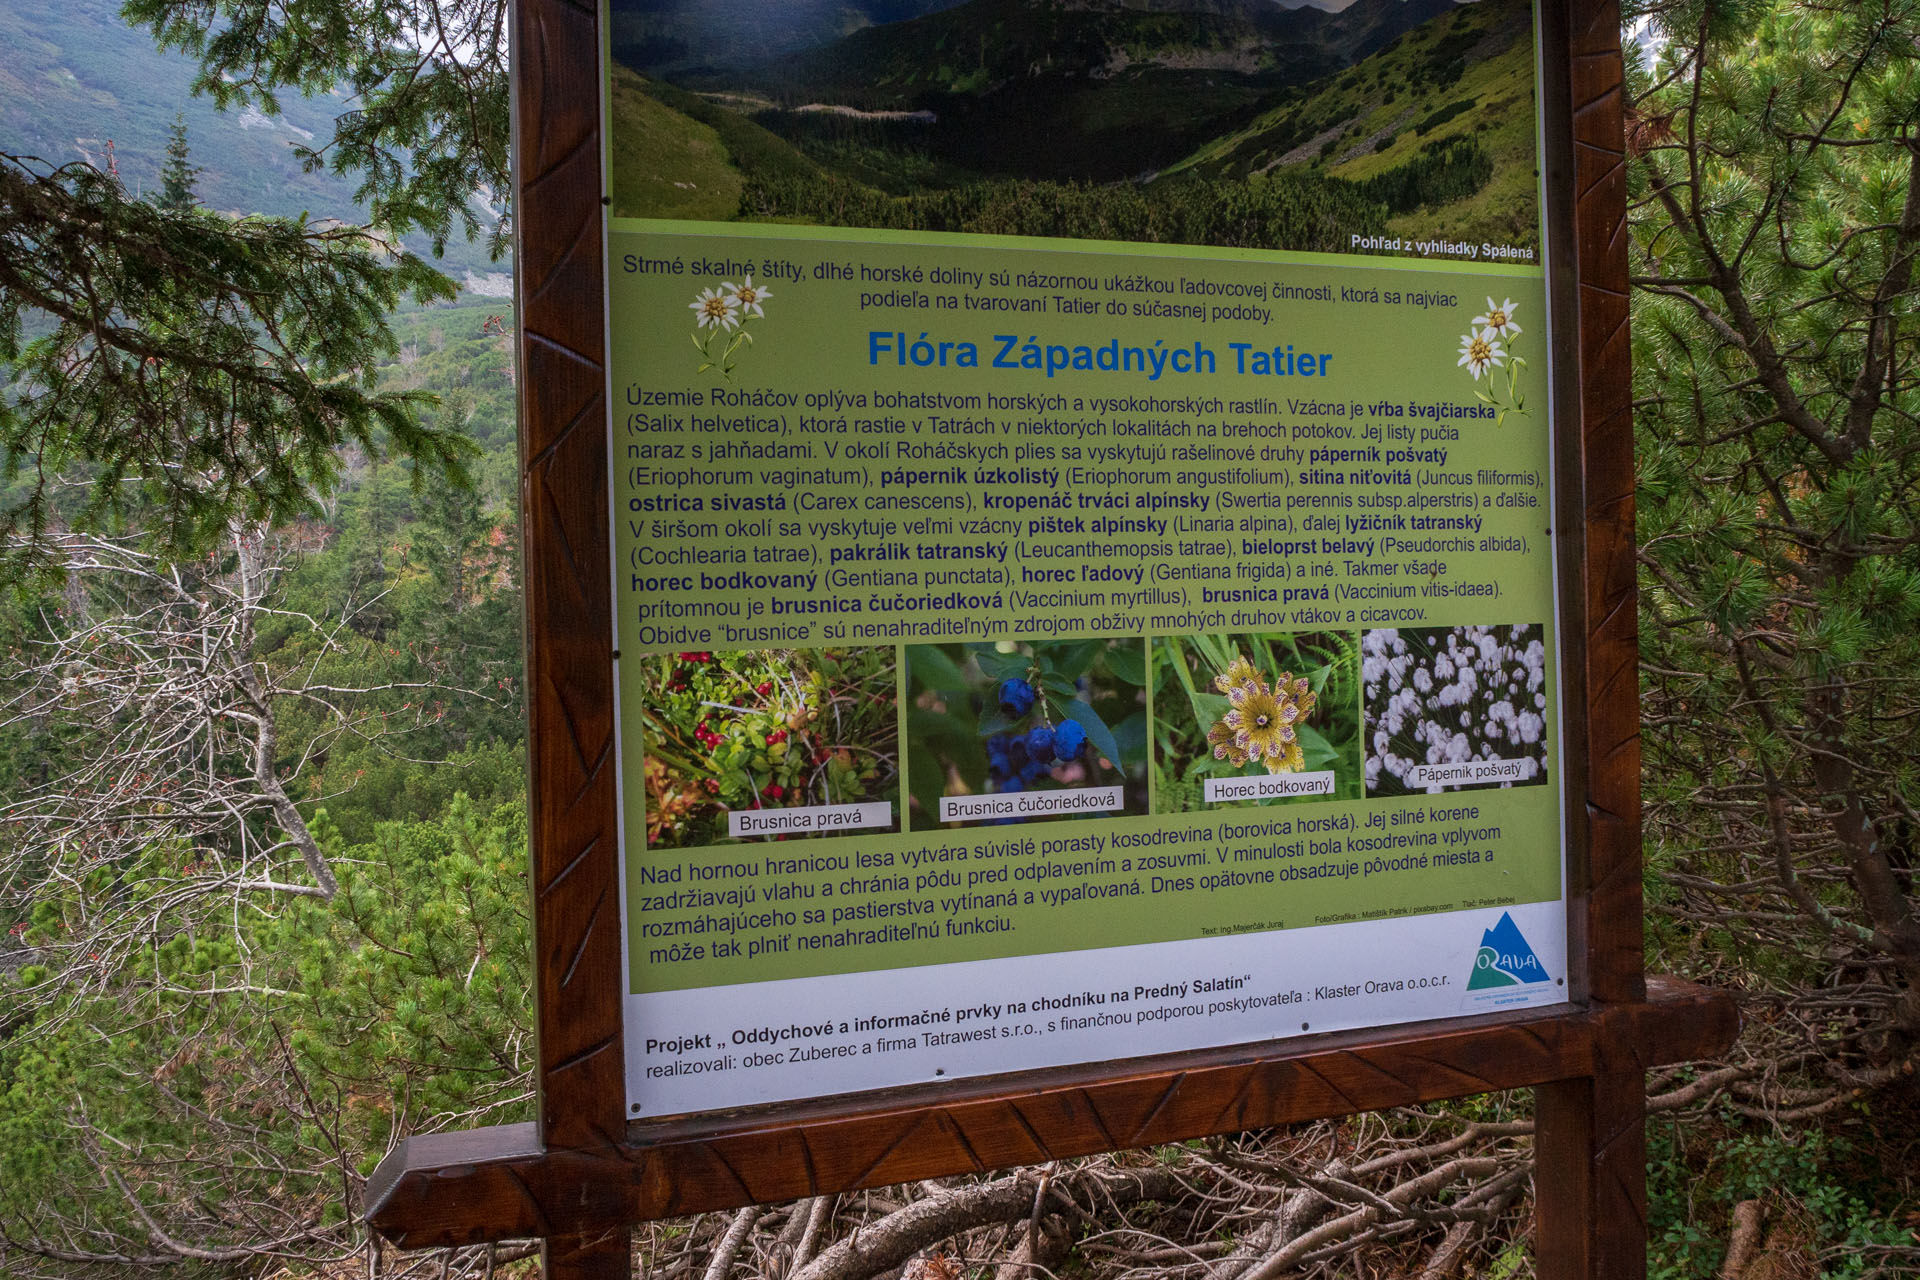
{"type": "Point", "coordinates": [1243, 124]}
{"type": "Point", "coordinates": [77, 83]}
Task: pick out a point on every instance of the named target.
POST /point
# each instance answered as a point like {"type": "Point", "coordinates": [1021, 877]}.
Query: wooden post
{"type": "Point", "coordinates": [1590, 1172]}
{"type": "Point", "coordinates": [606, 1254]}
{"type": "Point", "coordinates": [560, 268]}
{"type": "Point", "coordinates": [1590, 1150]}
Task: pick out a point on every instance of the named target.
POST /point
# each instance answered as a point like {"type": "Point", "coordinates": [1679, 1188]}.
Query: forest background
{"type": "Point", "coordinates": [262, 826]}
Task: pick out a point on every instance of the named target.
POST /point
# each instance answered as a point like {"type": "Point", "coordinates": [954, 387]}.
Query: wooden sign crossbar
{"type": "Point", "coordinates": [431, 1193]}
{"type": "Point", "coordinates": [581, 1174]}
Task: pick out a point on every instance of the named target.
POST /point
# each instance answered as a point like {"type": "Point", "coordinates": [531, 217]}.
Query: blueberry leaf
{"type": "Point", "coordinates": [992, 722]}
{"type": "Point", "coordinates": [934, 669]}
{"type": "Point", "coordinates": [1072, 660]}
{"type": "Point", "coordinates": [1000, 666]}
{"type": "Point", "coordinates": [1128, 662]}
{"type": "Point", "coordinates": [928, 782]}
{"type": "Point", "coordinates": [938, 729]}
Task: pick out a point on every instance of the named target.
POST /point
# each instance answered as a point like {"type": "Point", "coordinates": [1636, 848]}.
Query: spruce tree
{"type": "Point", "coordinates": [185, 370]}
{"type": "Point", "coordinates": [177, 175]}
{"type": "Point", "coordinates": [200, 370]}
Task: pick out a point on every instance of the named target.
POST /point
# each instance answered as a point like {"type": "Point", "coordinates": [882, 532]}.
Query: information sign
{"type": "Point", "coordinates": [1080, 594]}
{"type": "Point", "coordinates": [1132, 634]}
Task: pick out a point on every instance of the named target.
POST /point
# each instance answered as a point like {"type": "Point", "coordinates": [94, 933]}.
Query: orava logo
{"type": "Point", "coordinates": [1505, 959]}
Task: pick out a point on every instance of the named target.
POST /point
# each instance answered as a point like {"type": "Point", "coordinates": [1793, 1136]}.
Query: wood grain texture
{"type": "Point", "coordinates": [1590, 1185]}
{"type": "Point", "coordinates": [446, 1190]}
{"type": "Point", "coordinates": [560, 264]}
{"type": "Point", "coordinates": [1613, 937]}
{"type": "Point", "coordinates": [564, 513]}
{"type": "Point", "coordinates": [1590, 1169]}
{"type": "Point", "coordinates": [605, 1254]}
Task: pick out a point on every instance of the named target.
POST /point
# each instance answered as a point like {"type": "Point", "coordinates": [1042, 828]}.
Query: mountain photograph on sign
{"type": "Point", "coordinates": [1334, 127]}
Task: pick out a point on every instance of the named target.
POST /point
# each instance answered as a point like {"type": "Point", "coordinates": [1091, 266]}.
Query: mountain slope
{"type": "Point", "coordinates": [670, 37]}
{"type": "Point", "coordinates": [1458, 85]}
{"type": "Point", "coordinates": [984, 46]}
{"type": "Point", "coordinates": [675, 155]}
{"type": "Point", "coordinates": [1143, 120]}
{"type": "Point", "coordinates": [74, 76]}
{"type": "Point", "coordinates": [1098, 90]}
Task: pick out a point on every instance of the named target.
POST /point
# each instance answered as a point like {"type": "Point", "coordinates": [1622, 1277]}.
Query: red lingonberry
{"type": "Point", "coordinates": [764, 688]}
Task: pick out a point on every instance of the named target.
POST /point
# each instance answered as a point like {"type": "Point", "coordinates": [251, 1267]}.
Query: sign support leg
{"type": "Point", "coordinates": [1590, 1173]}
{"type": "Point", "coordinates": [598, 1255]}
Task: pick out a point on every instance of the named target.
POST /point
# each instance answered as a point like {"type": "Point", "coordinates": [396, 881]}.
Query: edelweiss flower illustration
{"type": "Point", "coordinates": [1499, 319]}
{"type": "Point", "coordinates": [715, 307]}
{"type": "Point", "coordinates": [1479, 350]}
{"type": "Point", "coordinates": [750, 295]}
{"type": "Point", "coordinates": [1491, 344]}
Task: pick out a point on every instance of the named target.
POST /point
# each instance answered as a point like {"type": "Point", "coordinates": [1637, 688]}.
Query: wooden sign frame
{"type": "Point", "coordinates": [580, 1174]}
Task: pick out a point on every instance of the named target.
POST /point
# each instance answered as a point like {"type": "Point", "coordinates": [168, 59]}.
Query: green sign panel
{"type": "Point", "coordinates": [1081, 492]}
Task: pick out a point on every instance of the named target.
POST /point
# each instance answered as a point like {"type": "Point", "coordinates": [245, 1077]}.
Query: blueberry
{"type": "Point", "coordinates": [1017, 753]}
{"type": "Point", "coordinates": [998, 764]}
{"type": "Point", "coordinates": [1016, 698]}
{"type": "Point", "coordinates": [1011, 784]}
{"type": "Point", "coordinates": [1040, 743]}
{"type": "Point", "coordinates": [1036, 770]}
{"type": "Point", "coordinates": [1067, 740]}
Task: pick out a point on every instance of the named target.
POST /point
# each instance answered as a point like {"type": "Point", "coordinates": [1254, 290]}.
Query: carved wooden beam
{"type": "Point", "coordinates": [492, 1184]}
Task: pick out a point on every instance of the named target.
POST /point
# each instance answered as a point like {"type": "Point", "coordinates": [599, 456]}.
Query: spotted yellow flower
{"type": "Point", "coordinates": [1220, 738]}
{"type": "Point", "coordinates": [1262, 725]}
{"type": "Point", "coordinates": [1300, 690]}
{"type": "Point", "coordinates": [1259, 724]}
{"type": "Point", "coordinates": [1239, 672]}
